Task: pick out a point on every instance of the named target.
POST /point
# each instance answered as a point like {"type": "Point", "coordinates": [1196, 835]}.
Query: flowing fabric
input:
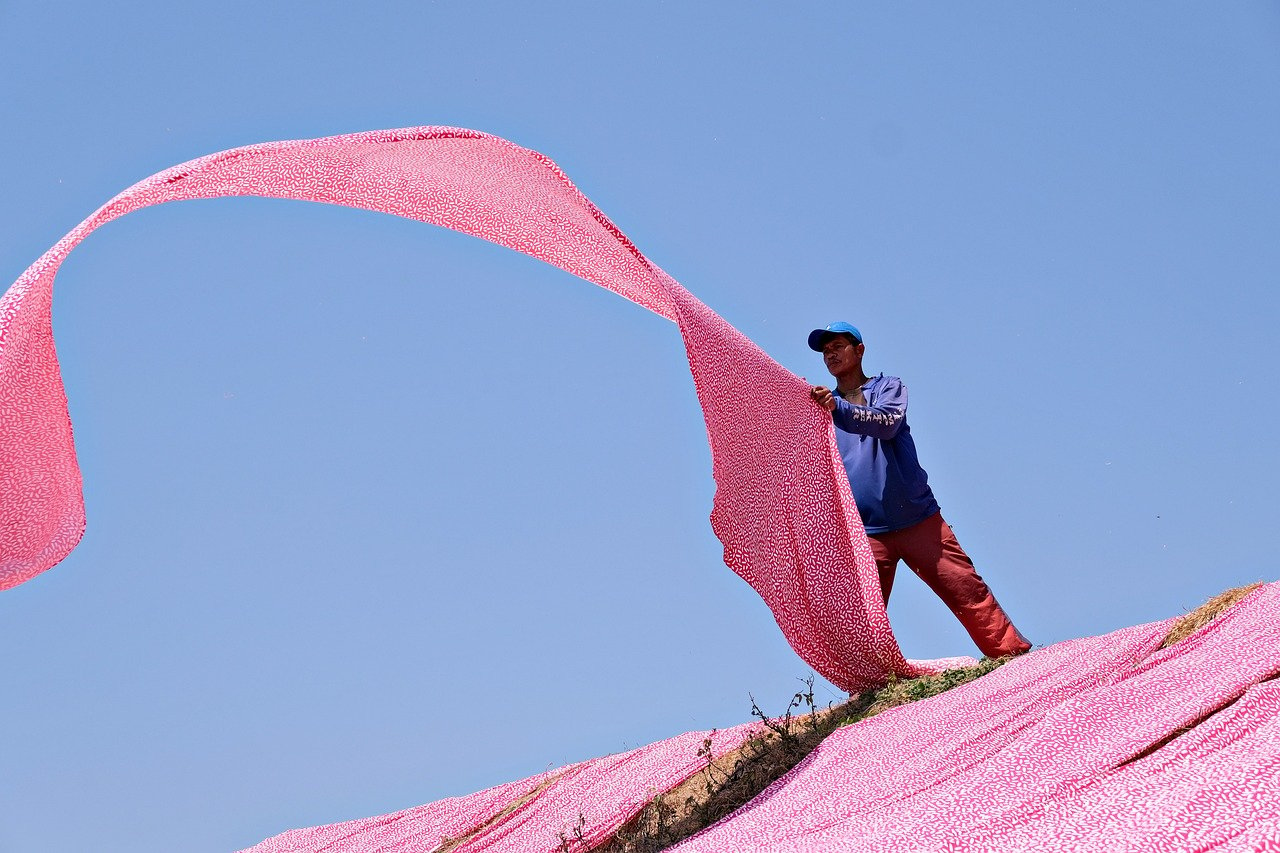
{"type": "Point", "coordinates": [579, 806]}
{"type": "Point", "coordinates": [783, 509]}
{"type": "Point", "coordinates": [1097, 744]}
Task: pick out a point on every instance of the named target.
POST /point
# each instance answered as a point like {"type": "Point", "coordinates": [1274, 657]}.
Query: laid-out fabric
{"type": "Point", "coordinates": [1098, 744]}
{"type": "Point", "coordinates": [418, 828]}
{"type": "Point", "coordinates": [783, 508]}
{"type": "Point", "coordinates": [582, 804]}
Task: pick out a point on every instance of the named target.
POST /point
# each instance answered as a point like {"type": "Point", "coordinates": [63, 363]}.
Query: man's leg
{"type": "Point", "coordinates": [932, 552]}
{"type": "Point", "coordinates": [886, 554]}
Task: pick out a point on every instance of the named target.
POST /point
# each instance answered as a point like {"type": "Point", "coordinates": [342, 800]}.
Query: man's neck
{"type": "Point", "coordinates": [851, 382]}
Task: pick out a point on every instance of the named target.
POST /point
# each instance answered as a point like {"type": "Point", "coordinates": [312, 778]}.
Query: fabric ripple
{"type": "Point", "coordinates": [782, 509]}
{"type": "Point", "coordinates": [582, 804]}
{"type": "Point", "coordinates": [1102, 744]}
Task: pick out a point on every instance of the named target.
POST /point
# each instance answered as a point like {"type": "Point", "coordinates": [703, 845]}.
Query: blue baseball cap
{"type": "Point", "coordinates": [819, 337]}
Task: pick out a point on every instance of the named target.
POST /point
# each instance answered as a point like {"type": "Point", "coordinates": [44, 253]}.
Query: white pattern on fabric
{"type": "Point", "coordinates": [782, 508]}
{"type": "Point", "coordinates": [593, 798]}
{"type": "Point", "coordinates": [1101, 744]}
{"type": "Point", "coordinates": [1098, 744]}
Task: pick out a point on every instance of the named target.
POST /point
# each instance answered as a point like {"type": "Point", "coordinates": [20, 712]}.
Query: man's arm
{"type": "Point", "coordinates": [882, 420]}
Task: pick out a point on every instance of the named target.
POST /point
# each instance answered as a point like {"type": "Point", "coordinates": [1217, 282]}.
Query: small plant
{"type": "Point", "coordinates": [574, 839]}
{"type": "Point", "coordinates": [726, 784]}
{"type": "Point", "coordinates": [707, 753]}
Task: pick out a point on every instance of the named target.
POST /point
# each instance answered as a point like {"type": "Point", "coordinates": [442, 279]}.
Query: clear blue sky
{"type": "Point", "coordinates": [379, 513]}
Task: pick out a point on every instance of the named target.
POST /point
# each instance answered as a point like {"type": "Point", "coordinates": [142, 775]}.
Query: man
{"type": "Point", "coordinates": [898, 509]}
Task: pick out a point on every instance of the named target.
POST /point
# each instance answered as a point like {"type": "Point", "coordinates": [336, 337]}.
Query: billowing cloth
{"type": "Point", "coordinates": [1096, 744]}
{"type": "Point", "coordinates": [583, 804]}
{"type": "Point", "coordinates": [783, 508]}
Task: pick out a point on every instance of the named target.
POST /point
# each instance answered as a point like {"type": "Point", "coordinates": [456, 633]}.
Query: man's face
{"type": "Point", "coordinates": [841, 354]}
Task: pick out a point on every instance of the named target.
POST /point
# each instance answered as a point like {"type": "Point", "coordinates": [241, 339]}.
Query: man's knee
{"type": "Point", "coordinates": [887, 573]}
{"type": "Point", "coordinates": [886, 565]}
{"type": "Point", "coordinates": [964, 585]}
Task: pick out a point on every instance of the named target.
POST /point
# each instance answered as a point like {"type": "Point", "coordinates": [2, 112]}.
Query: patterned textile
{"type": "Point", "coordinates": [583, 804]}
{"type": "Point", "coordinates": [420, 828]}
{"type": "Point", "coordinates": [783, 509]}
{"type": "Point", "coordinates": [1099, 744]}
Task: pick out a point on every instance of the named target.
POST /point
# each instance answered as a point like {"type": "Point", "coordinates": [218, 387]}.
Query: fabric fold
{"type": "Point", "coordinates": [783, 509]}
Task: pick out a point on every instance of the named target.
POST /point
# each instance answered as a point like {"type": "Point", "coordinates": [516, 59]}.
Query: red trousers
{"type": "Point", "coordinates": [931, 551]}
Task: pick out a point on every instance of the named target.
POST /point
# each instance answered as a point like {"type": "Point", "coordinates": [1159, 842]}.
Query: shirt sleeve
{"type": "Point", "coordinates": [881, 420]}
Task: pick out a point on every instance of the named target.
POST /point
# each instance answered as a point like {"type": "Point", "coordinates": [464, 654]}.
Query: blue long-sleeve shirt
{"type": "Point", "coordinates": [891, 489]}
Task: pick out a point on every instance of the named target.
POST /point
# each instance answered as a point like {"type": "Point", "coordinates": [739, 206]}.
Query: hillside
{"type": "Point", "coordinates": [1159, 737]}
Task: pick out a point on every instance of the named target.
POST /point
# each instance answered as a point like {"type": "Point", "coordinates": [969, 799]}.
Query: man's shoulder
{"type": "Point", "coordinates": [883, 388]}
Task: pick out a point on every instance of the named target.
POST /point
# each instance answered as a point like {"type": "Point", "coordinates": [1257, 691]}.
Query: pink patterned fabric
{"type": "Point", "coordinates": [783, 509]}
{"type": "Point", "coordinates": [1096, 744]}
{"type": "Point", "coordinates": [1081, 746]}
{"type": "Point", "coordinates": [420, 828]}
{"type": "Point", "coordinates": [591, 799]}
{"type": "Point", "coordinates": [1100, 744]}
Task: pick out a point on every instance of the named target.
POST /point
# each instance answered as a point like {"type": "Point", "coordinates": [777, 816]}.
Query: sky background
{"type": "Point", "coordinates": [379, 513]}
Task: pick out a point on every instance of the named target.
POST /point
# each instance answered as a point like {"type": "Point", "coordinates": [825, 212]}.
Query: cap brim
{"type": "Point", "coordinates": [818, 337]}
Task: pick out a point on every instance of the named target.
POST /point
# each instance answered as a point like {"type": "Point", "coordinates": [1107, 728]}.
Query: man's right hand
{"type": "Point", "coordinates": [823, 397]}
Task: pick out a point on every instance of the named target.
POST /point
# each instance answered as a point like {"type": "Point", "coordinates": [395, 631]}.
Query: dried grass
{"type": "Point", "coordinates": [450, 844]}
{"type": "Point", "coordinates": [1205, 613]}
